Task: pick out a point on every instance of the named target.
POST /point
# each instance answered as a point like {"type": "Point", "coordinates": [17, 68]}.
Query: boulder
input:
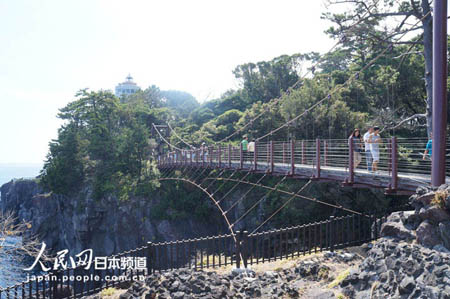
{"type": "Point", "coordinates": [434, 214]}
{"type": "Point", "coordinates": [427, 234]}
{"type": "Point", "coordinates": [444, 229]}
{"type": "Point", "coordinates": [396, 230]}
{"type": "Point", "coordinates": [407, 285]}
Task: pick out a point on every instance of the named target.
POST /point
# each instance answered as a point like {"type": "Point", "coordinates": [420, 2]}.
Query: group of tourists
{"type": "Point", "coordinates": [248, 148]}
{"type": "Point", "coordinates": [371, 140]}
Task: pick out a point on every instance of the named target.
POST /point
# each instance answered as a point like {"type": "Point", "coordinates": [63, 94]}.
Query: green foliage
{"type": "Point", "coordinates": [104, 143]}
{"type": "Point", "coordinates": [182, 102]}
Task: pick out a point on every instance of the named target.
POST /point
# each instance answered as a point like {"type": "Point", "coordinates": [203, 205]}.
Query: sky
{"type": "Point", "coordinates": [51, 49]}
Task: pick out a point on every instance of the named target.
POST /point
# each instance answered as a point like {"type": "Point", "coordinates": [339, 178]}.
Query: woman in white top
{"type": "Point", "coordinates": [375, 141]}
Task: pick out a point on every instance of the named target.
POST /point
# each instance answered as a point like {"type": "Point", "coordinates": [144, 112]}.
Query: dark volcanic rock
{"type": "Point", "coordinates": [427, 234]}
{"type": "Point", "coordinates": [79, 222]}
{"type": "Point", "coordinates": [400, 270]}
{"type": "Point", "coordinates": [444, 229]}
{"type": "Point", "coordinates": [395, 227]}
{"type": "Point", "coordinates": [434, 214]}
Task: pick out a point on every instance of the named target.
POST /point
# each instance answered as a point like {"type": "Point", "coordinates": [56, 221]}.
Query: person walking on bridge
{"type": "Point", "coordinates": [355, 137]}
{"type": "Point", "coordinates": [428, 148]}
{"type": "Point", "coordinates": [244, 143]}
{"type": "Point", "coordinates": [375, 141]}
{"type": "Point", "coordinates": [368, 147]}
{"type": "Point", "coordinates": [251, 148]}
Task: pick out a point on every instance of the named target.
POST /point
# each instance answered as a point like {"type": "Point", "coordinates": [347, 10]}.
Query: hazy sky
{"type": "Point", "coordinates": [51, 49]}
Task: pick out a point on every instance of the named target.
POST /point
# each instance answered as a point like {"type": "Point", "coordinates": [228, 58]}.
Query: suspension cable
{"type": "Point", "coordinates": [210, 196]}
{"type": "Point", "coordinates": [275, 101]}
{"type": "Point", "coordinates": [224, 182]}
{"type": "Point", "coordinates": [176, 135]}
{"type": "Point", "coordinates": [245, 194]}
{"type": "Point", "coordinates": [165, 140]}
{"type": "Point", "coordinates": [340, 86]}
{"type": "Point", "coordinates": [282, 206]}
{"type": "Point", "coordinates": [258, 202]}
{"type": "Point", "coordinates": [232, 188]}
{"type": "Point", "coordinates": [296, 195]}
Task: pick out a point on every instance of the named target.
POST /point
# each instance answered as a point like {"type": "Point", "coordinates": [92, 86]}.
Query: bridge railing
{"type": "Point", "coordinates": [208, 252]}
{"type": "Point", "coordinates": [397, 157]}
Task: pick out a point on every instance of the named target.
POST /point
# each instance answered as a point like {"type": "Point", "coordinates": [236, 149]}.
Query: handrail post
{"type": "Point", "coordinates": [284, 153]}
{"type": "Point", "coordinates": [244, 248]}
{"type": "Point", "coordinates": [150, 257]}
{"type": "Point", "coordinates": [394, 183]}
{"type": "Point", "coordinates": [241, 157]}
{"type": "Point", "coordinates": [238, 249]}
{"type": "Point", "coordinates": [331, 231]}
{"type": "Point", "coordinates": [389, 156]}
{"type": "Point", "coordinates": [271, 156]}
{"type": "Point", "coordinates": [303, 152]}
{"type": "Point", "coordinates": [350, 161]}
{"type": "Point", "coordinates": [203, 157]}
{"type": "Point", "coordinates": [219, 150]}
{"type": "Point", "coordinates": [229, 155]}
{"type": "Point", "coordinates": [210, 156]}
{"type": "Point", "coordinates": [255, 156]}
{"type": "Point", "coordinates": [292, 157]}
{"type": "Point", "coordinates": [197, 153]}
{"type": "Point", "coordinates": [318, 158]}
{"type": "Point", "coordinates": [325, 153]}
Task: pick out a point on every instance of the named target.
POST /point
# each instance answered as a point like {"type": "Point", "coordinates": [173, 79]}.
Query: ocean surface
{"type": "Point", "coordinates": [10, 266]}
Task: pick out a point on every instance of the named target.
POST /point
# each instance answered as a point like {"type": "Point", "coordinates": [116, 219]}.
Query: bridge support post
{"type": "Point", "coordinates": [238, 249]}
{"type": "Point", "coordinates": [229, 155]}
{"type": "Point", "coordinates": [197, 152]}
{"type": "Point", "coordinates": [150, 258]}
{"type": "Point", "coordinates": [303, 152]}
{"type": "Point", "coordinates": [331, 231]}
{"type": "Point", "coordinates": [317, 158]}
{"type": "Point", "coordinates": [351, 170]}
{"type": "Point", "coordinates": [394, 182]}
{"type": "Point", "coordinates": [255, 157]}
{"type": "Point", "coordinates": [203, 157]}
{"type": "Point", "coordinates": [219, 153]}
{"type": "Point", "coordinates": [439, 92]}
{"type": "Point", "coordinates": [241, 157]}
{"type": "Point", "coordinates": [271, 156]}
{"type": "Point", "coordinates": [284, 153]}
{"type": "Point", "coordinates": [292, 157]}
{"type": "Point", "coordinates": [210, 156]}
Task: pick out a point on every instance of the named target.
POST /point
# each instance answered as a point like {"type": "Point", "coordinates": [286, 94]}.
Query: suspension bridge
{"type": "Point", "coordinates": [401, 168]}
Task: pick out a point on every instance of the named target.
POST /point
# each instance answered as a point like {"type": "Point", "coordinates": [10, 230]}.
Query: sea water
{"type": "Point", "coordinates": [11, 267]}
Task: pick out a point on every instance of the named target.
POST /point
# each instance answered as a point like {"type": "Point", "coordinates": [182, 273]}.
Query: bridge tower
{"type": "Point", "coordinates": [439, 92]}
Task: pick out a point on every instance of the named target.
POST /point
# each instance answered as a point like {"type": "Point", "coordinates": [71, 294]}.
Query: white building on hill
{"type": "Point", "coordinates": [126, 88]}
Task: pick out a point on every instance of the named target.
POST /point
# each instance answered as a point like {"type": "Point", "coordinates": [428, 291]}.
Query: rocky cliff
{"type": "Point", "coordinates": [107, 226]}
{"type": "Point", "coordinates": [110, 226]}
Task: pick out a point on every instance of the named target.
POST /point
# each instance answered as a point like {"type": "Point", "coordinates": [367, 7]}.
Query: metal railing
{"type": "Point", "coordinates": [398, 158]}
{"type": "Point", "coordinates": [209, 252]}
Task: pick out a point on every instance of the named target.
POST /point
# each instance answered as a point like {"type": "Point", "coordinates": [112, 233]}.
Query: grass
{"type": "Point", "coordinates": [439, 199]}
{"type": "Point", "coordinates": [107, 292]}
{"type": "Point", "coordinates": [339, 278]}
